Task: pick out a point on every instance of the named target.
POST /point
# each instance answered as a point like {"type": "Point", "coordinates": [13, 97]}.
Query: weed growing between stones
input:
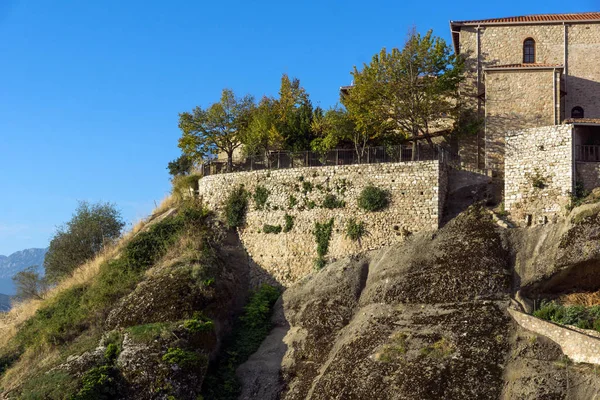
{"type": "Point", "coordinates": [261, 194]}
{"type": "Point", "coordinates": [271, 228]}
{"type": "Point", "coordinates": [323, 236]}
{"type": "Point", "coordinates": [331, 202]}
{"type": "Point", "coordinates": [236, 207]}
{"type": "Point", "coordinates": [289, 223]}
{"type": "Point", "coordinates": [355, 230]}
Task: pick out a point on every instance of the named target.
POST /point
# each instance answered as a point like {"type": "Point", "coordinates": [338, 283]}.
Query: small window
{"type": "Point", "coordinates": [577, 112]}
{"type": "Point", "coordinates": [529, 51]}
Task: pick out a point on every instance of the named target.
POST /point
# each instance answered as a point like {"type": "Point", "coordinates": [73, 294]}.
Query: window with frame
{"type": "Point", "coordinates": [577, 112]}
{"type": "Point", "coordinates": [529, 51]}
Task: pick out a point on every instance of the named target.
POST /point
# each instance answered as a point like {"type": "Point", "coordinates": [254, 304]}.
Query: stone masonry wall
{"type": "Point", "coordinates": [417, 193]}
{"type": "Point", "coordinates": [589, 174]}
{"type": "Point", "coordinates": [546, 154]}
{"type": "Point", "coordinates": [579, 345]}
{"type": "Point", "coordinates": [515, 100]}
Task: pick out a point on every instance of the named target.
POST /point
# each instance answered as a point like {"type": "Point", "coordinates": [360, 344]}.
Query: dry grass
{"type": "Point", "coordinates": [31, 361]}
{"type": "Point", "coordinates": [20, 312]}
{"type": "Point", "coordinates": [581, 299]}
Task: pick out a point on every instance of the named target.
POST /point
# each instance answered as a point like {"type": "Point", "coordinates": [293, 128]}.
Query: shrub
{"type": "Point", "coordinates": [199, 323]}
{"type": "Point", "coordinates": [184, 359]}
{"type": "Point", "coordinates": [537, 180]}
{"type": "Point", "coordinates": [373, 198]}
{"type": "Point", "coordinates": [550, 311]}
{"type": "Point", "coordinates": [184, 186]}
{"type": "Point", "coordinates": [261, 194]}
{"type": "Point", "coordinates": [355, 230]}
{"type": "Point", "coordinates": [332, 202]}
{"type": "Point", "coordinates": [289, 223]}
{"type": "Point", "coordinates": [271, 228]}
{"type": "Point", "coordinates": [99, 383]}
{"type": "Point", "coordinates": [180, 166]}
{"type": "Point", "coordinates": [81, 238]}
{"type": "Point", "coordinates": [235, 207]}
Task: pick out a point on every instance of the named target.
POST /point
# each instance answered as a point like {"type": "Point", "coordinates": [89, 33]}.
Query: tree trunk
{"type": "Point", "coordinates": [229, 161]}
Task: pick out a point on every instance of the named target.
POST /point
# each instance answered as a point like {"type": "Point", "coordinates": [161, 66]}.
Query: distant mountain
{"type": "Point", "coordinates": [4, 302]}
{"type": "Point", "coordinates": [10, 265]}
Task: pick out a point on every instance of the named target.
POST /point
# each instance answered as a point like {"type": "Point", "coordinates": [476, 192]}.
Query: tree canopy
{"type": "Point", "coordinates": [405, 93]}
{"type": "Point", "coordinates": [91, 227]}
{"type": "Point", "coordinates": [220, 127]}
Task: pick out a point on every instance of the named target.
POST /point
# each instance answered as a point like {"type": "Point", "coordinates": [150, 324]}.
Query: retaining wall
{"type": "Point", "coordinates": [417, 193]}
{"type": "Point", "coordinates": [544, 153]}
{"type": "Point", "coordinates": [578, 344]}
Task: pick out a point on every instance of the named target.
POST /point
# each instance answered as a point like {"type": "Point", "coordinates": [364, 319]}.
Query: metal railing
{"type": "Point", "coordinates": [590, 153]}
{"type": "Point", "coordinates": [371, 155]}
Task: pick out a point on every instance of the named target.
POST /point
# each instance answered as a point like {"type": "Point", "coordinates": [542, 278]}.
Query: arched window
{"type": "Point", "coordinates": [529, 51]}
{"type": "Point", "coordinates": [577, 112]}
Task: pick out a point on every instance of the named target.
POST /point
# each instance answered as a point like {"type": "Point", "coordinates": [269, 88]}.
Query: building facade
{"type": "Point", "coordinates": [527, 72]}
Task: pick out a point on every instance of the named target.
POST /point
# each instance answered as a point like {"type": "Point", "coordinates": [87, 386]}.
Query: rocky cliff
{"type": "Point", "coordinates": [172, 315]}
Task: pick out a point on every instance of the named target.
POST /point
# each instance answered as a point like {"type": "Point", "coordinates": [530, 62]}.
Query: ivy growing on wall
{"type": "Point", "coordinates": [323, 237]}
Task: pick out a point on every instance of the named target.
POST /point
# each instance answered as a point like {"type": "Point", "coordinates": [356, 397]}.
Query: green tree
{"type": "Point", "coordinates": [219, 128]}
{"type": "Point", "coordinates": [29, 284]}
{"type": "Point", "coordinates": [91, 227]}
{"type": "Point", "coordinates": [295, 114]}
{"type": "Point", "coordinates": [180, 166]}
{"type": "Point", "coordinates": [405, 93]}
{"type": "Point", "coordinates": [264, 134]}
{"type": "Point", "coordinates": [331, 128]}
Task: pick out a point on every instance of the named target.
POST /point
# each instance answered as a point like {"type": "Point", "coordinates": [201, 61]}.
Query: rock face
{"type": "Point", "coordinates": [426, 319]}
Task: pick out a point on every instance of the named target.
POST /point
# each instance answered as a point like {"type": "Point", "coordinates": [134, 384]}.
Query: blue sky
{"type": "Point", "coordinates": [90, 91]}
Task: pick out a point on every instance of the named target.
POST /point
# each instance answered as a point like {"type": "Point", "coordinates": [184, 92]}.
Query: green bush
{"type": "Point", "coordinates": [261, 194]}
{"type": "Point", "coordinates": [373, 198]}
{"type": "Point", "coordinates": [81, 238]}
{"type": "Point", "coordinates": [62, 320]}
{"type": "Point", "coordinates": [235, 207]}
{"type": "Point", "coordinates": [289, 223]}
{"type": "Point", "coordinates": [576, 315]}
{"type": "Point", "coordinates": [355, 230]}
{"type": "Point", "coordinates": [271, 228]}
{"type": "Point", "coordinates": [185, 359]}
{"type": "Point", "coordinates": [199, 323]}
{"type": "Point", "coordinates": [99, 383]}
{"type": "Point", "coordinates": [331, 202]}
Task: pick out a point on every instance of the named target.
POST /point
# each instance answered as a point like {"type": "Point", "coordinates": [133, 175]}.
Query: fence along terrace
{"type": "Point", "coordinates": [370, 155]}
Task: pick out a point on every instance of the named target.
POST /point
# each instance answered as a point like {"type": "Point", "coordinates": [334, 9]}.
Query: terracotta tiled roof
{"type": "Point", "coordinates": [586, 16]}
{"type": "Point", "coordinates": [455, 26]}
{"type": "Point", "coordinates": [522, 66]}
{"type": "Point", "coordinates": [582, 121]}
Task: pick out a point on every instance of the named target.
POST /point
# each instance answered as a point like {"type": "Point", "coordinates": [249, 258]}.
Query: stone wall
{"type": "Point", "coordinates": [544, 155]}
{"type": "Point", "coordinates": [417, 193]}
{"type": "Point", "coordinates": [588, 173]}
{"type": "Point", "coordinates": [579, 345]}
{"type": "Point", "coordinates": [515, 100]}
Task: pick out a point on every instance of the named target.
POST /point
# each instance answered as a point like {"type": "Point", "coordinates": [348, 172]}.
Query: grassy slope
{"type": "Point", "coordinates": [38, 335]}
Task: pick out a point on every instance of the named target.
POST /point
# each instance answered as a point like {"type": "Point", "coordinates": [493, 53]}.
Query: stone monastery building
{"type": "Point", "coordinates": [536, 81]}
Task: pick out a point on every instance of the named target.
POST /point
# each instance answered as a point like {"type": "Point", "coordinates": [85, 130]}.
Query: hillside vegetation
{"type": "Point", "coordinates": [142, 320]}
